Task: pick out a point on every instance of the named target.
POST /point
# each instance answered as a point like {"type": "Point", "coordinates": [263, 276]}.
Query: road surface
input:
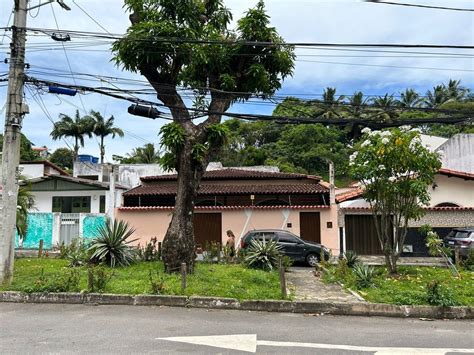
{"type": "Point", "coordinates": [72, 329]}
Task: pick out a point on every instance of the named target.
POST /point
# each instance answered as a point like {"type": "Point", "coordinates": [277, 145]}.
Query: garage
{"type": "Point", "coordinates": [361, 235]}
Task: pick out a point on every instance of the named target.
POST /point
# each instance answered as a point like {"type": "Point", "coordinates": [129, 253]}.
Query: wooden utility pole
{"type": "Point", "coordinates": [15, 110]}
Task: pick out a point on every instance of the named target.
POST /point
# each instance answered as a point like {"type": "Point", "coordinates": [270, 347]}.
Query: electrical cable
{"type": "Point", "coordinates": [382, 2]}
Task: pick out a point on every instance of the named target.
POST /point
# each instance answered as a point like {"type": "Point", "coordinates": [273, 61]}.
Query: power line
{"type": "Point", "coordinates": [419, 5]}
{"type": "Point", "coordinates": [84, 11]}
{"type": "Point", "coordinates": [253, 43]}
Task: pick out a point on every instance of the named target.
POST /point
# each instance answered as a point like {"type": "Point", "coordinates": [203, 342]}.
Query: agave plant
{"type": "Point", "coordinates": [364, 275]}
{"type": "Point", "coordinates": [263, 255]}
{"type": "Point", "coordinates": [111, 246]}
{"type": "Point", "coordinates": [351, 258]}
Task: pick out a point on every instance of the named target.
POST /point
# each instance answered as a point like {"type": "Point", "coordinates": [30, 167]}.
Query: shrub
{"type": "Point", "coordinates": [263, 255]}
{"type": "Point", "coordinates": [111, 246]}
{"type": "Point", "coordinates": [61, 282]}
{"type": "Point", "coordinates": [287, 262]}
{"type": "Point", "coordinates": [468, 263]}
{"type": "Point", "coordinates": [77, 253]}
{"type": "Point", "coordinates": [98, 278]}
{"type": "Point", "coordinates": [150, 252]}
{"type": "Point", "coordinates": [342, 270]}
{"type": "Point", "coordinates": [351, 258]}
{"type": "Point", "coordinates": [157, 283]}
{"type": "Point", "coordinates": [212, 252]}
{"type": "Point", "coordinates": [364, 275]}
{"type": "Point", "coordinates": [438, 295]}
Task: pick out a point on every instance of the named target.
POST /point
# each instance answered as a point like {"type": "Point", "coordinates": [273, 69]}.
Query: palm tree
{"type": "Point", "coordinates": [386, 102]}
{"type": "Point", "coordinates": [357, 102]}
{"type": "Point", "coordinates": [455, 91]}
{"type": "Point", "coordinates": [409, 98]}
{"type": "Point", "coordinates": [331, 102]}
{"type": "Point", "coordinates": [102, 128]}
{"type": "Point", "coordinates": [436, 97]}
{"type": "Point", "coordinates": [25, 202]}
{"type": "Point", "coordinates": [76, 128]}
{"type": "Point", "coordinates": [142, 155]}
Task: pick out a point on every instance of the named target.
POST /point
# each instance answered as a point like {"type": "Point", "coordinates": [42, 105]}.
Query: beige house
{"type": "Point", "coordinates": [238, 200]}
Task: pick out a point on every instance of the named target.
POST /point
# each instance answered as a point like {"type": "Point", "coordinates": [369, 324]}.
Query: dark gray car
{"type": "Point", "coordinates": [293, 246]}
{"type": "Point", "coordinates": [462, 238]}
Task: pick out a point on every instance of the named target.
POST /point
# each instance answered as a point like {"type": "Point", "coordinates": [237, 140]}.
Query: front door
{"type": "Point", "coordinates": [207, 229]}
{"type": "Point", "coordinates": [310, 226]}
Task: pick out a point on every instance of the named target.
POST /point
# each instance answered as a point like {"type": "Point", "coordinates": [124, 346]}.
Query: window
{"type": "Point", "coordinates": [102, 204]}
{"type": "Point", "coordinates": [72, 204]}
{"type": "Point", "coordinates": [287, 238]}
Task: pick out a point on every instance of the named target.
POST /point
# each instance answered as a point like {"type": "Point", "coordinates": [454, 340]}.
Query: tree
{"type": "Point", "coordinates": [331, 103]}
{"type": "Point", "coordinates": [396, 171]}
{"type": "Point", "coordinates": [103, 128]}
{"type": "Point", "coordinates": [142, 155]}
{"type": "Point", "coordinates": [409, 98]}
{"type": "Point", "coordinates": [26, 151]}
{"type": "Point", "coordinates": [77, 128]}
{"type": "Point", "coordinates": [436, 97]}
{"type": "Point", "coordinates": [25, 203]}
{"type": "Point", "coordinates": [454, 90]}
{"type": "Point", "coordinates": [221, 65]}
{"type": "Point", "coordinates": [63, 157]}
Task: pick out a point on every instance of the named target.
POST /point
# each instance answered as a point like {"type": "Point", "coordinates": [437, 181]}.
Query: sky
{"type": "Point", "coordinates": [338, 21]}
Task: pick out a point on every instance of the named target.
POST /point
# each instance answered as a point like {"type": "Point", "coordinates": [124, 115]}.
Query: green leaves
{"type": "Point", "coordinates": [172, 136]}
{"type": "Point", "coordinates": [264, 255]}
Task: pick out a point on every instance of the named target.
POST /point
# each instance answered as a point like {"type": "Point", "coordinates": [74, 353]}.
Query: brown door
{"type": "Point", "coordinates": [361, 235]}
{"type": "Point", "coordinates": [310, 226]}
{"type": "Point", "coordinates": [207, 228]}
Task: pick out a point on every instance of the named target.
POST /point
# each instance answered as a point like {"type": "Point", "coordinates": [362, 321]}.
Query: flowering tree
{"type": "Point", "coordinates": [395, 170]}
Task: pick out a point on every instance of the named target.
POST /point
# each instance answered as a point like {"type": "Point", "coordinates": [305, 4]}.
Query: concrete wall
{"type": "Point", "coordinates": [154, 223]}
{"type": "Point", "coordinates": [453, 190]}
{"type": "Point", "coordinates": [129, 175]}
{"type": "Point", "coordinates": [32, 171]}
{"type": "Point", "coordinates": [458, 153]}
{"type": "Point", "coordinates": [44, 199]}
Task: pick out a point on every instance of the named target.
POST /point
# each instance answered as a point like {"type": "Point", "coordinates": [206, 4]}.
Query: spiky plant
{"type": "Point", "coordinates": [263, 255]}
{"type": "Point", "coordinates": [364, 275]}
{"type": "Point", "coordinates": [351, 258]}
{"type": "Point", "coordinates": [111, 246]}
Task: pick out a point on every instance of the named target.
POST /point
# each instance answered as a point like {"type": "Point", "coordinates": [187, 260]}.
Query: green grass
{"type": "Point", "coordinates": [410, 286]}
{"type": "Point", "coordinates": [218, 280]}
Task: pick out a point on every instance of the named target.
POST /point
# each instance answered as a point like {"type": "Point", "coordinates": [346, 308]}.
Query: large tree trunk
{"type": "Point", "coordinates": [178, 244]}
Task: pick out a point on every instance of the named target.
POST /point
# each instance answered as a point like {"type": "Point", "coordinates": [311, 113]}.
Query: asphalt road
{"type": "Point", "coordinates": [66, 329]}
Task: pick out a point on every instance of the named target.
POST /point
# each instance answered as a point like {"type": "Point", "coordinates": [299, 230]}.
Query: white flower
{"type": "Point", "coordinates": [385, 133]}
{"type": "Point", "coordinates": [405, 128]}
{"type": "Point", "coordinates": [353, 157]}
{"type": "Point", "coordinates": [381, 167]}
{"type": "Point", "coordinates": [385, 140]}
{"type": "Point", "coordinates": [366, 130]}
{"type": "Point", "coordinates": [416, 130]}
{"type": "Point", "coordinates": [392, 178]}
{"type": "Point", "coordinates": [365, 143]}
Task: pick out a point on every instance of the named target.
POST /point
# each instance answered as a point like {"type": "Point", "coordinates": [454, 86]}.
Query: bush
{"type": "Point", "coordinates": [98, 278]}
{"type": "Point", "coordinates": [342, 269]}
{"type": "Point", "coordinates": [263, 255]}
{"type": "Point", "coordinates": [351, 258]}
{"type": "Point", "coordinates": [150, 252]}
{"type": "Point", "coordinates": [468, 263]}
{"type": "Point", "coordinates": [212, 252]}
{"type": "Point", "coordinates": [287, 262]}
{"type": "Point", "coordinates": [157, 283]}
{"type": "Point", "coordinates": [364, 275]}
{"type": "Point", "coordinates": [77, 253]}
{"type": "Point", "coordinates": [111, 246]}
{"type": "Point", "coordinates": [438, 295]}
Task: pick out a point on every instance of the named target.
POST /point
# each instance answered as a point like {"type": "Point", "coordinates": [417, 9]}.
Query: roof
{"type": "Point", "coordinates": [93, 183]}
{"type": "Point", "coordinates": [223, 189]}
{"type": "Point", "coordinates": [348, 195]}
{"type": "Point", "coordinates": [236, 174]}
{"type": "Point", "coordinates": [366, 208]}
{"type": "Point", "coordinates": [455, 173]}
{"type": "Point", "coordinates": [46, 163]}
{"type": "Point", "coordinates": [432, 143]}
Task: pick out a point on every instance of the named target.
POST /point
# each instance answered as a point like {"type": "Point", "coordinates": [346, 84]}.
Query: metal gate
{"type": "Point", "coordinates": [69, 228]}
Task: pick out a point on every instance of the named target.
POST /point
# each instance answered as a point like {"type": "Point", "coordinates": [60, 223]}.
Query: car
{"type": "Point", "coordinates": [462, 238]}
{"type": "Point", "coordinates": [297, 249]}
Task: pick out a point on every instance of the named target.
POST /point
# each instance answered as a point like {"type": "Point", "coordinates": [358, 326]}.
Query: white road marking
{"type": "Point", "coordinates": [249, 342]}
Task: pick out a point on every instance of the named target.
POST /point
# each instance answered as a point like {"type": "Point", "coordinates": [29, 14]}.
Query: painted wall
{"type": "Point", "coordinates": [40, 226]}
{"type": "Point", "coordinates": [452, 189]}
{"type": "Point", "coordinates": [32, 171]}
{"type": "Point", "coordinates": [90, 225]}
{"type": "Point", "coordinates": [44, 199]}
{"type": "Point", "coordinates": [458, 153]}
{"type": "Point", "coordinates": [154, 223]}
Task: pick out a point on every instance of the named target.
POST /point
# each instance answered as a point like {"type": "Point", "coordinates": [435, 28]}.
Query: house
{"type": "Point", "coordinates": [65, 207]}
{"type": "Point", "coordinates": [451, 205]}
{"type": "Point", "coordinates": [239, 200]}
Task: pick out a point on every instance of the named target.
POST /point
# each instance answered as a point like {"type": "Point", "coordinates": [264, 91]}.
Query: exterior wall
{"type": "Point", "coordinates": [454, 218]}
{"type": "Point", "coordinates": [452, 189]}
{"type": "Point", "coordinates": [154, 223]}
{"type": "Point", "coordinates": [458, 153]}
{"type": "Point", "coordinates": [129, 175]}
{"type": "Point", "coordinates": [44, 199]}
{"type": "Point", "coordinates": [32, 171]}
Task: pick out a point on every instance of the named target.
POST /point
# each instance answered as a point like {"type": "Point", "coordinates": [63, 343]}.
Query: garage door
{"type": "Point", "coordinates": [310, 226]}
{"type": "Point", "coordinates": [361, 235]}
{"type": "Point", "coordinates": [207, 228]}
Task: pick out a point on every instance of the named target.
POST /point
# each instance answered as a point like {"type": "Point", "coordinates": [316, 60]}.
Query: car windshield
{"type": "Point", "coordinates": [463, 235]}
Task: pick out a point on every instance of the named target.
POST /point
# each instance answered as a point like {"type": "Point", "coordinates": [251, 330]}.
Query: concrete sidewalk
{"type": "Point", "coordinates": [411, 261]}
{"type": "Point", "coordinates": [307, 287]}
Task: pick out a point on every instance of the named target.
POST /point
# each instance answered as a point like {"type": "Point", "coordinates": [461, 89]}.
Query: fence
{"type": "Point", "coordinates": [55, 228]}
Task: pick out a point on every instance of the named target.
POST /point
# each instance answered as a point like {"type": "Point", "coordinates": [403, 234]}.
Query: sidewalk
{"type": "Point", "coordinates": [306, 287]}
{"type": "Point", "coordinates": [413, 261]}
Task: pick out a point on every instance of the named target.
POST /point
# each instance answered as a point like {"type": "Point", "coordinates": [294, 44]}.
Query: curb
{"type": "Point", "coordinates": [350, 309]}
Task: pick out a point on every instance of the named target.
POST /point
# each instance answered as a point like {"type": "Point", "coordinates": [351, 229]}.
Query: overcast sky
{"type": "Point", "coordinates": [339, 21]}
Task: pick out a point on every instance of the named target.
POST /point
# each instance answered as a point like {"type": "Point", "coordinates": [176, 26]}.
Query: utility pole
{"type": "Point", "coordinates": [15, 110]}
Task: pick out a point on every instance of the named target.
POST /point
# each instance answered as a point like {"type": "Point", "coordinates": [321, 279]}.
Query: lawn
{"type": "Point", "coordinates": [410, 286]}
{"type": "Point", "coordinates": [218, 280]}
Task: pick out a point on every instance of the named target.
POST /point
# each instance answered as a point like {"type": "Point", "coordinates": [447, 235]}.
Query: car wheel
{"type": "Point", "coordinates": [312, 259]}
